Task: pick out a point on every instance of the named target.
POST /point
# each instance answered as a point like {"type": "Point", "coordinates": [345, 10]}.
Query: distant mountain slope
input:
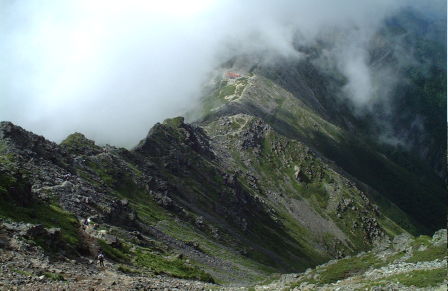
{"type": "Point", "coordinates": [416, 191]}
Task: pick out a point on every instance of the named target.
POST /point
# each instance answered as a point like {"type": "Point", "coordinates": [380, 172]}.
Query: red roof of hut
{"type": "Point", "coordinates": [232, 75]}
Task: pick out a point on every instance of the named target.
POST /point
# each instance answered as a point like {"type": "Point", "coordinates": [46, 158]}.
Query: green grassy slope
{"type": "Point", "coordinates": [418, 194]}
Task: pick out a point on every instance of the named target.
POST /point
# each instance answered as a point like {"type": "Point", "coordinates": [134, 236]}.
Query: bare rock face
{"type": "Point", "coordinates": [111, 240]}
{"type": "Point", "coordinates": [164, 200]}
{"type": "Point", "coordinates": [121, 213]}
{"type": "Point", "coordinates": [440, 237]}
{"type": "Point", "coordinates": [253, 135]}
{"type": "Point", "coordinates": [300, 175]}
{"type": "Point", "coordinates": [401, 242]}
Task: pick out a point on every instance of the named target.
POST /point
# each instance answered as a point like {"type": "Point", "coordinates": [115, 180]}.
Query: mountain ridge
{"type": "Point", "coordinates": [95, 173]}
{"type": "Point", "coordinates": [272, 173]}
{"type": "Point", "coordinates": [94, 169]}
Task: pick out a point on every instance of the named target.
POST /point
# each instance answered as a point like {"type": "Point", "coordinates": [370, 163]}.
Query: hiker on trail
{"type": "Point", "coordinates": [85, 223]}
{"type": "Point", "coordinates": [101, 259]}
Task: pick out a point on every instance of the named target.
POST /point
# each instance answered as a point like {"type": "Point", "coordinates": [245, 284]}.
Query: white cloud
{"type": "Point", "coordinates": [111, 69]}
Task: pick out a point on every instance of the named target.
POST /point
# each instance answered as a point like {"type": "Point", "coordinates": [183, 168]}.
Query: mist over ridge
{"type": "Point", "coordinates": [225, 144]}
{"type": "Point", "coordinates": [112, 69]}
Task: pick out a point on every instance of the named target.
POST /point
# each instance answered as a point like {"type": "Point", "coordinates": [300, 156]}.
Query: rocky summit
{"type": "Point", "coordinates": [270, 183]}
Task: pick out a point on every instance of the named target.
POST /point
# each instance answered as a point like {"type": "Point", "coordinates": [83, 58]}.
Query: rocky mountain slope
{"type": "Point", "coordinates": [182, 192]}
{"type": "Point", "coordinates": [271, 175]}
{"type": "Point", "coordinates": [229, 202]}
{"type": "Point", "coordinates": [387, 180]}
{"type": "Point", "coordinates": [401, 264]}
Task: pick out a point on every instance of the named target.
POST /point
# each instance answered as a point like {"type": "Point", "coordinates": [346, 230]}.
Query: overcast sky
{"type": "Point", "coordinates": [111, 69]}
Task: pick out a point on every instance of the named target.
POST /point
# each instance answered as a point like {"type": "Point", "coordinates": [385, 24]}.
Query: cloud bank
{"type": "Point", "coordinates": [111, 69]}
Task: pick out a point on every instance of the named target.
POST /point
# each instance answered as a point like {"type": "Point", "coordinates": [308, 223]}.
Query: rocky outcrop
{"type": "Point", "coordinates": [14, 187]}
{"type": "Point", "coordinates": [120, 213]}
{"type": "Point", "coordinates": [30, 146]}
{"type": "Point", "coordinates": [159, 141]}
{"type": "Point", "coordinates": [252, 136]}
{"type": "Point", "coordinates": [77, 144]}
{"type": "Point", "coordinates": [406, 263]}
{"type": "Point", "coordinates": [48, 238]}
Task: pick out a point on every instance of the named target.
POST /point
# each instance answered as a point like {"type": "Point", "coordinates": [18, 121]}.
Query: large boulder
{"type": "Point", "coordinates": [440, 237]}
{"type": "Point", "coordinates": [120, 213]}
{"type": "Point", "coordinates": [111, 240]}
